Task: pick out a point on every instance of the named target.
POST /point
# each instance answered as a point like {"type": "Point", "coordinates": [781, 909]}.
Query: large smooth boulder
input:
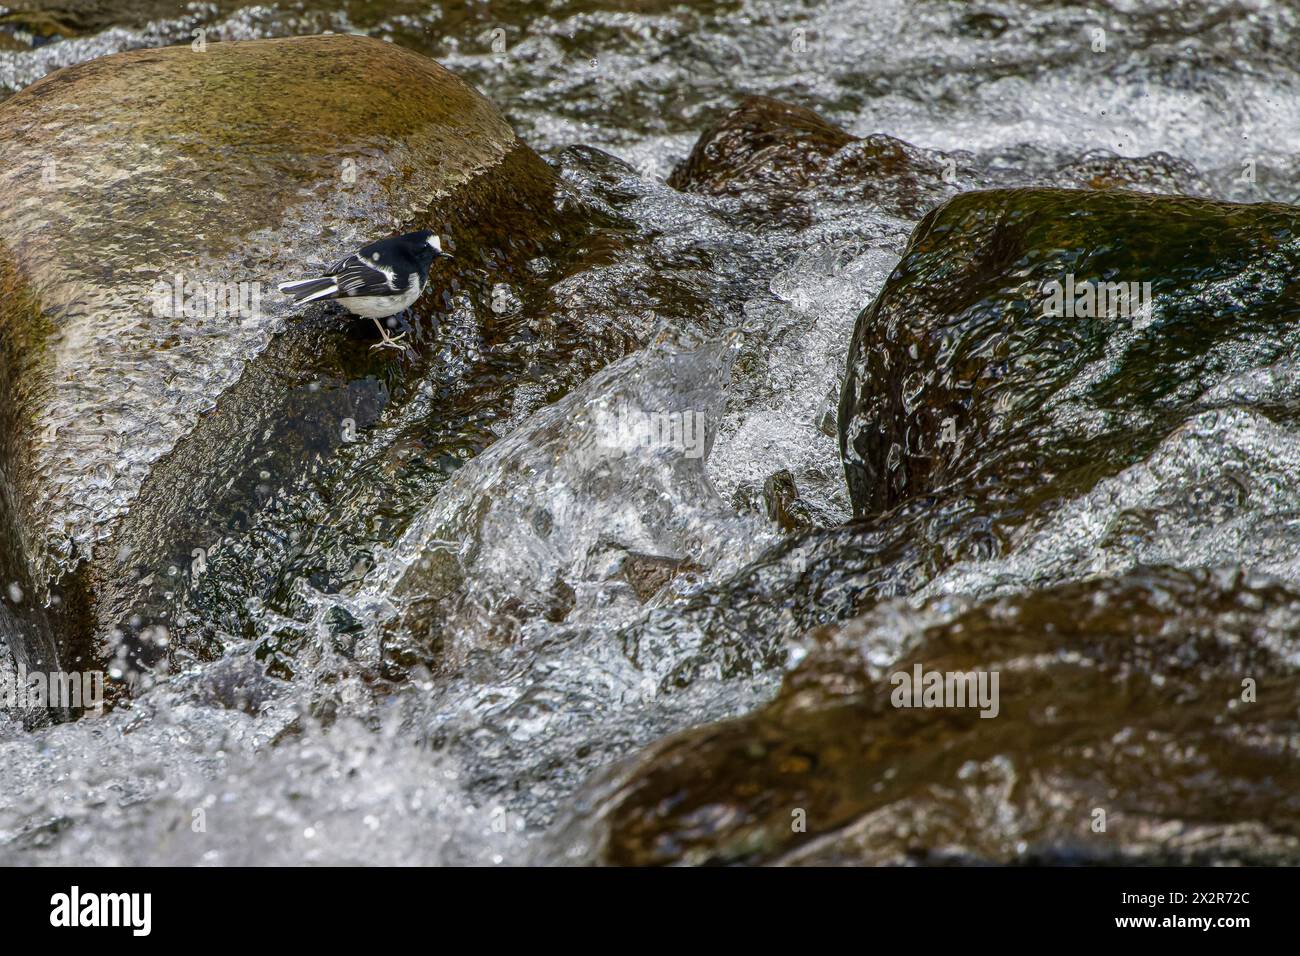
{"type": "Point", "coordinates": [133, 441]}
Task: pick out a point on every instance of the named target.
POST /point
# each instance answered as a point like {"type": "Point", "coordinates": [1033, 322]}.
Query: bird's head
{"type": "Point", "coordinates": [428, 246]}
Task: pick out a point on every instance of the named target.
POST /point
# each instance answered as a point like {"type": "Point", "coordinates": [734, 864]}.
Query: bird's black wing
{"type": "Point", "coordinates": [358, 276]}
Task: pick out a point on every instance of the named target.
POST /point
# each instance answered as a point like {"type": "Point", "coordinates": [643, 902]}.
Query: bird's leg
{"type": "Point", "coordinates": [389, 341]}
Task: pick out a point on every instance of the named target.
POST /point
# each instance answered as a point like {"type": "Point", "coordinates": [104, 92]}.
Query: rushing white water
{"type": "Point", "coordinates": [592, 504]}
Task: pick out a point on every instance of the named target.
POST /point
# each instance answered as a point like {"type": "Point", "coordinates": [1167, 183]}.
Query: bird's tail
{"type": "Point", "coordinates": [309, 290]}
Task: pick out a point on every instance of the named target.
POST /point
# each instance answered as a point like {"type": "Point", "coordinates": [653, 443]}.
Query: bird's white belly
{"type": "Point", "coordinates": [380, 306]}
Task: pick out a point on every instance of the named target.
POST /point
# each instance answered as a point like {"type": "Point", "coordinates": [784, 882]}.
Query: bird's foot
{"type": "Point", "coordinates": [390, 341]}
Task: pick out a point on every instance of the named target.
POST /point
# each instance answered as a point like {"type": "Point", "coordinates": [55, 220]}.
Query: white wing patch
{"type": "Point", "coordinates": [362, 276]}
{"type": "Point", "coordinates": [389, 275]}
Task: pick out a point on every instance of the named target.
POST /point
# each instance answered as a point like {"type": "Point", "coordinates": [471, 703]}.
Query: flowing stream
{"type": "Point", "coordinates": [311, 736]}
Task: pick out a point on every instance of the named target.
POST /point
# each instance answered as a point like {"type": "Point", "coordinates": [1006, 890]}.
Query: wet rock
{"type": "Point", "coordinates": [972, 363]}
{"type": "Point", "coordinates": [1141, 718]}
{"type": "Point", "coordinates": [778, 155]}
{"type": "Point", "coordinates": [649, 574]}
{"type": "Point", "coordinates": [893, 176]}
{"type": "Point", "coordinates": [137, 441]}
{"type": "Point", "coordinates": [762, 142]}
{"type": "Point", "coordinates": [239, 683]}
{"type": "Point", "coordinates": [748, 498]}
{"type": "Point", "coordinates": [778, 160]}
{"type": "Point", "coordinates": [982, 24]}
{"type": "Point", "coordinates": [1157, 173]}
{"type": "Point", "coordinates": [781, 497]}
{"type": "Point", "coordinates": [45, 21]}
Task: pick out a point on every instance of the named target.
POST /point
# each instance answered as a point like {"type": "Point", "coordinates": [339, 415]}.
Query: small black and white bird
{"type": "Point", "coordinates": [377, 280]}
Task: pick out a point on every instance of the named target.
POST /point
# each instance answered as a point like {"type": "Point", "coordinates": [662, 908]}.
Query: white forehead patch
{"type": "Point", "coordinates": [436, 243]}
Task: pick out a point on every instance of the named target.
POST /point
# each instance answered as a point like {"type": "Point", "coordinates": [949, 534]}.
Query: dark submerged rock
{"type": "Point", "coordinates": [781, 499]}
{"type": "Point", "coordinates": [1125, 695]}
{"type": "Point", "coordinates": [763, 142]}
{"type": "Point", "coordinates": [777, 156]}
{"type": "Point", "coordinates": [776, 159]}
{"type": "Point", "coordinates": [1157, 173]}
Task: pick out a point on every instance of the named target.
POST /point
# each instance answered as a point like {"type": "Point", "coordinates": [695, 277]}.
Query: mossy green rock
{"type": "Point", "coordinates": [961, 366]}
{"type": "Point", "coordinates": [129, 436]}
